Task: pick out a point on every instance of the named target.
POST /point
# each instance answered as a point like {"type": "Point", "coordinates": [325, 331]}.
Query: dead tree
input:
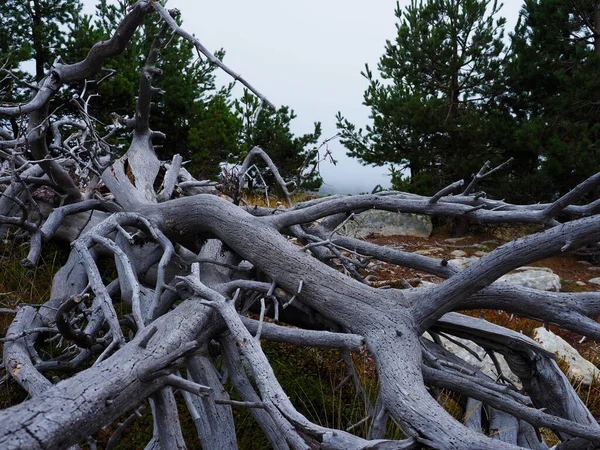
{"type": "Point", "coordinates": [189, 264]}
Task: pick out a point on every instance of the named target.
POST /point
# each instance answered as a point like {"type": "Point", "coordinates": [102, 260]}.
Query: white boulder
{"type": "Point", "coordinates": [540, 278]}
{"type": "Point", "coordinates": [579, 367]}
{"type": "Point", "coordinates": [462, 262]}
{"type": "Point", "coordinates": [387, 223]}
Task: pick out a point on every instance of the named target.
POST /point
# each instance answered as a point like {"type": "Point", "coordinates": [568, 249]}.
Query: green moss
{"type": "Point", "coordinates": [571, 286]}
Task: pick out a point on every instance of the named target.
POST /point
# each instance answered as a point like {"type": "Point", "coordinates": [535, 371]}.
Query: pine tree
{"type": "Point", "coordinates": [554, 92]}
{"type": "Point", "coordinates": [190, 81]}
{"type": "Point", "coordinates": [433, 110]}
{"type": "Point", "coordinates": [35, 30]}
{"type": "Point", "coordinates": [270, 129]}
{"type": "Point", "coordinates": [200, 121]}
{"type": "Point", "coordinates": [215, 138]}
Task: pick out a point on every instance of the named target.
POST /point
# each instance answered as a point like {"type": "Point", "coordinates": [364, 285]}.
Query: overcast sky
{"type": "Point", "coordinates": [307, 55]}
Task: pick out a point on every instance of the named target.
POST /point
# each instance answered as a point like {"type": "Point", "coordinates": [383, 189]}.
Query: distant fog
{"type": "Point", "coordinates": [350, 177]}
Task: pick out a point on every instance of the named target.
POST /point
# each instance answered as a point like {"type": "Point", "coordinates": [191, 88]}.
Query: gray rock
{"type": "Point", "coordinates": [388, 223]}
{"type": "Point", "coordinates": [580, 283]}
{"type": "Point", "coordinates": [461, 263]}
{"type": "Point", "coordinates": [374, 265]}
{"type": "Point", "coordinates": [579, 368]}
{"type": "Point", "coordinates": [524, 268]}
{"type": "Point", "coordinates": [480, 253]}
{"type": "Point", "coordinates": [594, 281]}
{"type": "Point", "coordinates": [425, 252]}
{"type": "Point", "coordinates": [458, 253]}
{"type": "Point", "coordinates": [540, 278]}
{"type": "Point", "coordinates": [484, 363]}
{"type": "Point", "coordinates": [454, 240]}
{"type": "Point", "coordinates": [594, 269]}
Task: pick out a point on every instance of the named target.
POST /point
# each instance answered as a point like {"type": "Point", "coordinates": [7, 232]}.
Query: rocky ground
{"type": "Point", "coordinates": [575, 273]}
{"type": "Point", "coordinates": [567, 273]}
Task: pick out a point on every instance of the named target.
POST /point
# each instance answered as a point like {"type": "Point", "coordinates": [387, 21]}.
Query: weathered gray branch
{"type": "Point", "coordinates": [203, 50]}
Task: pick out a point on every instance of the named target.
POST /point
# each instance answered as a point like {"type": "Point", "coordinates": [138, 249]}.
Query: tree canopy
{"type": "Point", "coordinates": [553, 91]}
{"type": "Point", "coordinates": [432, 103]}
{"type": "Point", "coordinates": [449, 96]}
{"type": "Point", "coordinates": [199, 120]}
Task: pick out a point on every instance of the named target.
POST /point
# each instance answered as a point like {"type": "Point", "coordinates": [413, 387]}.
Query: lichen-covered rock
{"type": "Point", "coordinates": [429, 251]}
{"type": "Point", "coordinates": [424, 252]}
{"type": "Point", "coordinates": [579, 367]}
{"type": "Point", "coordinates": [462, 262]}
{"type": "Point", "coordinates": [386, 223]}
{"type": "Point", "coordinates": [540, 278]}
{"type": "Point", "coordinates": [454, 240]}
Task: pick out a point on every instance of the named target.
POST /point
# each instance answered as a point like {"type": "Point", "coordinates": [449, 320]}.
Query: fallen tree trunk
{"type": "Point", "coordinates": [189, 267]}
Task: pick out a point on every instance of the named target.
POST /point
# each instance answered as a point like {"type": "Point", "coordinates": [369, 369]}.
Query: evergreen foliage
{"type": "Point", "coordinates": [201, 121]}
{"type": "Point", "coordinates": [449, 96]}
{"type": "Point", "coordinates": [553, 92]}
{"type": "Point", "coordinates": [37, 31]}
{"type": "Point", "coordinates": [433, 109]}
{"type": "Point", "coordinates": [270, 130]}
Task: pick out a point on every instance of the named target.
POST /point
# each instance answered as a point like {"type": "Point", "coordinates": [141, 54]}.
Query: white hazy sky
{"type": "Point", "coordinates": [307, 55]}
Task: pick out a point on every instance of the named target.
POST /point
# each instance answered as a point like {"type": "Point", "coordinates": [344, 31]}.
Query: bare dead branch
{"type": "Point", "coordinates": [201, 49]}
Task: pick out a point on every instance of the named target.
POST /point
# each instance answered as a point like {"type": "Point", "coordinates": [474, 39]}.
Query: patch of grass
{"type": "Point", "coordinates": [19, 286]}
{"type": "Point", "coordinates": [571, 286]}
{"type": "Point", "coordinates": [513, 322]}
{"type": "Point", "coordinates": [272, 201]}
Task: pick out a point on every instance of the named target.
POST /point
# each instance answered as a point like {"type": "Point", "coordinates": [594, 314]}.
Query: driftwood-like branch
{"type": "Point", "coordinates": [311, 338]}
{"type": "Point", "coordinates": [203, 50]}
{"type": "Point", "coordinates": [447, 190]}
{"type": "Point", "coordinates": [502, 260]}
{"type": "Point", "coordinates": [277, 403]}
{"type": "Point", "coordinates": [483, 173]}
{"type": "Point", "coordinates": [170, 178]}
{"type": "Point", "coordinates": [123, 427]}
{"type": "Point", "coordinates": [259, 152]}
